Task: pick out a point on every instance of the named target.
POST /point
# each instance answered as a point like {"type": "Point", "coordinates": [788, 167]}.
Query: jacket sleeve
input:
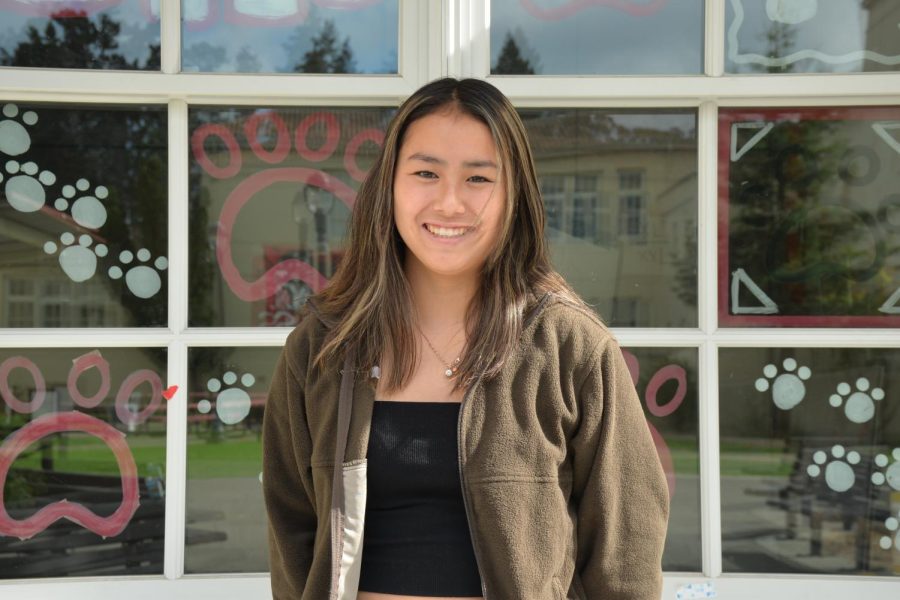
{"type": "Point", "coordinates": [618, 486]}
{"type": "Point", "coordinates": [287, 482]}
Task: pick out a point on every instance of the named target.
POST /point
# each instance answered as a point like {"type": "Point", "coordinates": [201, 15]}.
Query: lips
{"type": "Point", "coordinates": [447, 232]}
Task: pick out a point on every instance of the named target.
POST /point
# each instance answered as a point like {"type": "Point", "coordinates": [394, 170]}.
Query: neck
{"type": "Point", "coordinates": [440, 301]}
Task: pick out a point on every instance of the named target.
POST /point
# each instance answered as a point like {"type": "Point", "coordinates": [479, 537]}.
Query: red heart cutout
{"type": "Point", "coordinates": [170, 391]}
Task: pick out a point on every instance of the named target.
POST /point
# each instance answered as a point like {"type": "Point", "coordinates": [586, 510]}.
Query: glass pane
{"type": "Point", "coordinates": [811, 36]}
{"type": "Point", "coordinates": [80, 34]}
{"type": "Point", "coordinates": [285, 36]}
{"type": "Point", "coordinates": [666, 381]}
{"type": "Point", "coordinates": [620, 192]}
{"type": "Point", "coordinates": [809, 217]}
{"type": "Point", "coordinates": [83, 461]}
{"type": "Point", "coordinates": [810, 460]}
{"type": "Point", "coordinates": [270, 198]}
{"type": "Point", "coordinates": [83, 216]}
{"type": "Point", "coordinates": [608, 37]}
{"type": "Point", "coordinates": [226, 518]}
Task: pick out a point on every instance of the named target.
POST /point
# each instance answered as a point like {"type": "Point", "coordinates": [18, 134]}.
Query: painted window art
{"type": "Point", "coordinates": [666, 382]}
{"type": "Point", "coordinates": [811, 36]}
{"type": "Point", "coordinates": [82, 462]}
{"type": "Point", "coordinates": [602, 37]}
{"type": "Point", "coordinates": [810, 460]}
{"type": "Point", "coordinates": [225, 510]}
{"type": "Point", "coordinates": [270, 198]}
{"type": "Point", "coordinates": [809, 217]}
{"type": "Point", "coordinates": [290, 36]}
{"type": "Point", "coordinates": [84, 213]}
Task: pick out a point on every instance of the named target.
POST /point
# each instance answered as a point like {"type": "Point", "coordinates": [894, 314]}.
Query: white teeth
{"type": "Point", "coordinates": [446, 231]}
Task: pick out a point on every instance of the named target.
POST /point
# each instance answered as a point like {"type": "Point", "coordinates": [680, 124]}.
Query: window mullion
{"type": "Point", "coordinates": [170, 36]}
{"type": "Point", "coordinates": [714, 38]}
{"type": "Point", "coordinates": [179, 284]}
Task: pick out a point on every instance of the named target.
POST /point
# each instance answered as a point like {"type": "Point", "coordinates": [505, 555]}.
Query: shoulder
{"type": "Point", "coordinates": [563, 322]}
{"type": "Point", "coordinates": [303, 342]}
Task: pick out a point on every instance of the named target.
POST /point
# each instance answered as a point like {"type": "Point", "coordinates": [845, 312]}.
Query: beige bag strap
{"type": "Point", "coordinates": [345, 407]}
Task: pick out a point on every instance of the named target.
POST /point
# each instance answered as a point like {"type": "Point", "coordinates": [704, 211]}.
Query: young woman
{"type": "Point", "coordinates": [449, 420]}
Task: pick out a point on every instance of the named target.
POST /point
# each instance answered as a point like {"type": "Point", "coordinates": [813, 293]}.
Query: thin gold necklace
{"type": "Point", "coordinates": [450, 367]}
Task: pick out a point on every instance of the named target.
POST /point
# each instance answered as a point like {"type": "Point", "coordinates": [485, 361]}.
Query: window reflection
{"type": "Point", "coordinates": [549, 37]}
{"type": "Point", "coordinates": [79, 35]}
{"type": "Point", "coordinates": [808, 36]}
{"type": "Point", "coordinates": [291, 37]}
{"type": "Point", "coordinates": [810, 464]}
{"type": "Point", "coordinates": [270, 199]}
{"type": "Point", "coordinates": [83, 224]}
{"type": "Point", "coordinates": [226, 529]}
{"type": "Point", "coordinates": [82, 462]}
{"type": "Point", "coordinates": [811, 231]}
{"type": "Point", "coordinates": [666, 382]}
{"type": "Point", "coordinates": [614, 186]}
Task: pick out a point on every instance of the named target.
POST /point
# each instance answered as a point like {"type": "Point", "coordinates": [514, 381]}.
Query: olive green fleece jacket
{"type": "Point", "coordinates": [564, 490]}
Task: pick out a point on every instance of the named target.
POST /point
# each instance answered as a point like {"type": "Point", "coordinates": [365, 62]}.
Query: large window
{"type": "Point", "coordinates": [720, 180]}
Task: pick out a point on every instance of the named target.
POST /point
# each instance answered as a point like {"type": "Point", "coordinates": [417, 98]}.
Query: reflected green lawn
{"type": "Point", "coordinates": [224, 456]}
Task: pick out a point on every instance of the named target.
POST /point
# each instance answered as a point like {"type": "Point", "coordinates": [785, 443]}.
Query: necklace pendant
{"type": "Point", "coordinates": [449, 372]}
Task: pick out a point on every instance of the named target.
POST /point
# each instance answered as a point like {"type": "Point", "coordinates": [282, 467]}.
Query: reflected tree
{"type": "Point", "coordinates": [328, 54]}
{"type": "Point", "coordinates": [71, 40]}
{"type": "Point", "coordinates": [514, 60]}
{"type": "Point", "coordinates": [205, 57]}
{"type": "Point", "coordinates": [248, 61]}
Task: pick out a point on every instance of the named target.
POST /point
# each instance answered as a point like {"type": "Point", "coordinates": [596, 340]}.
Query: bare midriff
{"type": "Point", "coordinates": [374, 596]}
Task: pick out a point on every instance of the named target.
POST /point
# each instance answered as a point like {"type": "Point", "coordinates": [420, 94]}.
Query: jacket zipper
{"type": "Point", "coordinates": [462, 480]}
{"type": "Point", "coordinates": [465, 495]}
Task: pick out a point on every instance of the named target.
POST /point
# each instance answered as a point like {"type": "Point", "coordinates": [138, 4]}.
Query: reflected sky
{"type": "Point", "coordinates": [225, 45]}
{"type": "Point", "coordinates": [218, 39]}
{"type": "Point", "coordinates": [139, 31]}
{"type": "Point", "coordinates": [808, 36]}
{"type": "Point", "coordinates": [594, 38]}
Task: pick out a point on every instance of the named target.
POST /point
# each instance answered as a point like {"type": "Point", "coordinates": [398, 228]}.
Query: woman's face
{"type": "Point", "coordinates": [449, 197]}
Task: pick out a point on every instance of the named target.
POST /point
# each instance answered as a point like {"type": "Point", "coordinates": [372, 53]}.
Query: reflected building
{"type": "Point", "coordinates": [621, 202]}
{"type": "Point", "coordinates": [881, 33]}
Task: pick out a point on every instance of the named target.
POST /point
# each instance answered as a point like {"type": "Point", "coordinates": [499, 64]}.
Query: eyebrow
{"type": "Point", "coordinates": [438, 161]}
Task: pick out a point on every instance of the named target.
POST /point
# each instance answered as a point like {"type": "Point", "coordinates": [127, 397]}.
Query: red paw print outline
{"type": "Point", "coordinates": [573, 7]}
{"type": "Point", "coordinates": [75, 421]}
{"type": "Point", "coordinates": [671, 372]}
{"type": "Point", "coordinates": [290, 269]}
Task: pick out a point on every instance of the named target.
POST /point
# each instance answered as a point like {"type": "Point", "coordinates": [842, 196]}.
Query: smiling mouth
{"type": "Point", "coordinates": [447, 232]}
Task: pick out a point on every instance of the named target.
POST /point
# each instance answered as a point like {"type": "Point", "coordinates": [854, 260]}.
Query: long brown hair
{"type": "Point", "coordinates": [369, 299]}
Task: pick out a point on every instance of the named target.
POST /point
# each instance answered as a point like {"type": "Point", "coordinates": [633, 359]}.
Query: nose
{"type": "Point", "coordinates": [449, 200]}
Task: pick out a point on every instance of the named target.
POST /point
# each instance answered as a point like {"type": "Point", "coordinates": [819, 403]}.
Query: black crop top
{"type": "Point", "coordinates": [416, 540]}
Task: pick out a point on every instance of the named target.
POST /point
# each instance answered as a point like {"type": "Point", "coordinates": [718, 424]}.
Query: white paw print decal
{"type": "Point", "coordinates": [232, 403]}
{"type": "Point", "coordinates": [143, 281]}
{"type": "Point", "coordinates": [14, 138]}
{"type": "Point", "coordinates": [25, 188]}
{"type": "Point", "coordinates": [858, 406]}
{"type": "Point", "coordinates": [839, 475]}
{"type": "Point", "coordinates": [87, 210]}
{"type": "Point", "coordinates": [78, 262]}
{"type": "Point", "coordinates": [893, 525]}
{"type": "Point", "coordinates": [891, 475]}
{"type": "Point", "coordinates": [788, 389]}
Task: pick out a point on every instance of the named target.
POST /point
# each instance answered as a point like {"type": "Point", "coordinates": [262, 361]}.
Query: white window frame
{"type": "Point", "coordinates": [445, 37]}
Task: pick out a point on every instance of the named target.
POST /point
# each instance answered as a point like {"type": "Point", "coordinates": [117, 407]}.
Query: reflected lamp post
{"type": "Point", "coordinates": [320, 202]}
